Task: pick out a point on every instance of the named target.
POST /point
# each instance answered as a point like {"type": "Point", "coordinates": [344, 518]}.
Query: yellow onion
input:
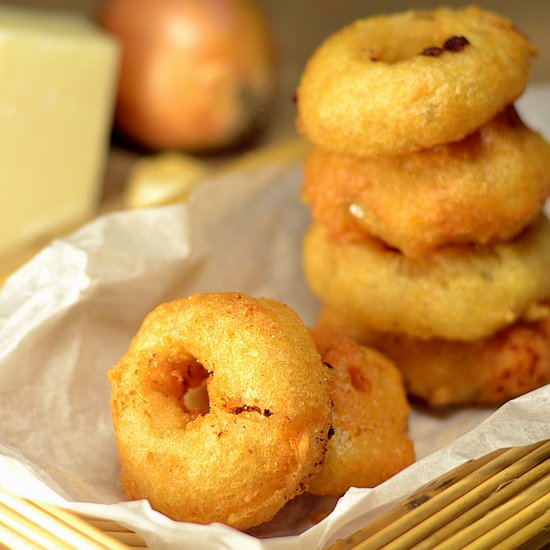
{"type": "Point", "coordinates": [196, 75]}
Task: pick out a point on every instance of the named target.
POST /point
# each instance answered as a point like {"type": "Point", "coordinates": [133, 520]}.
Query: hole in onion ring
{"type": "Point", "coordinates": [184, 379]}
{"type": "Point", "coordinates": [196, 401]}
{"type": "Point", "coordinates": [194, 378]}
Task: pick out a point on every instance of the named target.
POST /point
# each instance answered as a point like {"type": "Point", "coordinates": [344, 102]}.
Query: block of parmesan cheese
{"type": "Point", "coordinates": [58, 76]}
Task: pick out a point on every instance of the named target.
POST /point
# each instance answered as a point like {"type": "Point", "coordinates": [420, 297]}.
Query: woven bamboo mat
{"type": "Point", "coordinates": [500, 501]}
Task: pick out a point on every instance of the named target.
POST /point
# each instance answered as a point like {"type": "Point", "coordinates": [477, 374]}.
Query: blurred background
{"type": "Point", "coordinates": [297, 28]}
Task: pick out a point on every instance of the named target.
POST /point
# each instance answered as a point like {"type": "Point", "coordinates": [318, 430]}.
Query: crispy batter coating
{"type": "Point", "coordinates": [484, 188]}
{"type": "Point", "coordinates": [488, 371]}
{"type": "Point", "coordinates": [403, 82]}
{"type": "Point", "coordinates": [267, 427]}
{"type": "Point", "coordinates": [456, 293]}
{"type": "Point", "coordinates": [370, 416]}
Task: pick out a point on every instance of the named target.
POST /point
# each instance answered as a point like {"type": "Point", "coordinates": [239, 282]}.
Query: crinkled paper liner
{"type": "Point", "coordinates": [68, 315]}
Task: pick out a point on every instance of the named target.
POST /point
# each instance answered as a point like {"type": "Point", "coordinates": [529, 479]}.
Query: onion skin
{"type": "Point", "coordinates": [196, 75]}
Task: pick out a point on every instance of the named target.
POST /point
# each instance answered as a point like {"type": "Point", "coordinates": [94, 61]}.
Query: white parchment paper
{"type": "Point", "coordinates": [69, 314]}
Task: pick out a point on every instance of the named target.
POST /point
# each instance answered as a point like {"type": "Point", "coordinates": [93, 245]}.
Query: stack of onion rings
{"type": "Point", "coordinates": [426, 191]}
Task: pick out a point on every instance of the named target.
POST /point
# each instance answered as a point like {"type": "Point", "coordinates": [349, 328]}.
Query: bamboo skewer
{"type": "Point", "coordinates": [45, 531]}
{"type": "Point", "coordinates": [537, 533]}
{"type": "Point", "coordinates": [14, 540]}
{"type": "Point", "coordinates": [507, 519]}
{"type": "Point", "coordinates": [117, 531]}
{"type": "Point", "coordinates": [25, 524]}
{"type": "Point", "coordinates": [87, 527]}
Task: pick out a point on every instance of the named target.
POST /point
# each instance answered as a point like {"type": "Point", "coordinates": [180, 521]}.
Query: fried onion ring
{"type": "Point", "coordinates": [484, 188]}
{"type": "Point", "coordinates": [456, 293]}
{"type": "Point", "coordinates": [370, 416]}
{"type": "Point", "coordinates": [408, 81]}
{"type": "Point", "coordinates": [268, 423]}
{"type": "Point", "coordinates": [440, 372]}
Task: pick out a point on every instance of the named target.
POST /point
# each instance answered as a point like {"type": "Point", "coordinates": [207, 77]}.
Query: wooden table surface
{"type": "Point", "coordinates": [298, 27]}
